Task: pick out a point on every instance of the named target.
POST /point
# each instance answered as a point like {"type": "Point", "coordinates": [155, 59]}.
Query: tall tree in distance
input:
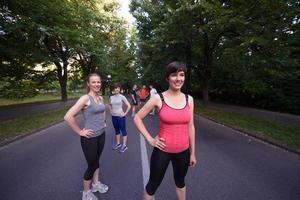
{"type": "Point", "coordinates": [67, 33]}
{"type": "Point", "coordinates": [202, 33]}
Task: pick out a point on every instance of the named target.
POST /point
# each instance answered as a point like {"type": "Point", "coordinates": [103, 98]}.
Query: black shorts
{"type": "Point", "coordinates": [143, 100]}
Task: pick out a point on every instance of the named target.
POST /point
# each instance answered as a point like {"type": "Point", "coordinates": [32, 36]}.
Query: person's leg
{"type": "Point", "coordinates": [181, 193]}
{"type": "Point", "coordinates": [122, 125]}
{"type": "Point", "coordinates": [180, 163]}
{"type": "Point", "coordinates": [115, 122]}
{"type": "Point", "coordinates": [133, 110]}
{"type": "Point", "coordinates": [158, 165]}
{"type": "Point", "coordinates": [97, 186]}
{"type": "Point", "coordinates": [86, 185]}
{"type": "Point", "coordinates": [141, 103]}
{"type": "Point", "coordinates": [146, 196]}
{"type": "Point", "coordinates": [100, 146]}
{"type": "Point", "coordinates": [96, 176]}
{"type": "Point", "coordinates": [89, 148]}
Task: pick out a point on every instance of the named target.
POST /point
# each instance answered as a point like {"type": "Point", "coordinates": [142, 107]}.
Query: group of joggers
{"type": "Point", "coordinates": [174, 143]}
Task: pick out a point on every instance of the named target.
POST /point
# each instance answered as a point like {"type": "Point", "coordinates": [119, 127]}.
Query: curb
{"type": "Point", "coordinates": [18, 137]}
{"type": "Point", "coordinates": [256, 136]}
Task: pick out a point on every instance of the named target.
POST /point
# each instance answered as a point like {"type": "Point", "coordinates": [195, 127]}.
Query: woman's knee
{"type": "Point", "coordinates": [152, 186]}
{"type": "Point", "coordinates": [180, 183]}
{"type": "Point", "coordinates": [124, 133]}
{"type": "Point", "coordinates": [88, 175]}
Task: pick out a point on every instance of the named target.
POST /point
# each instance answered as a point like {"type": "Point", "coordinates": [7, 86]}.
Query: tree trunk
{"type": "Point", "coordinates": [205, 93]}
{"type": "Point", "coordinates": [208, 61]}
{"type": "Point", "coordinates": [103, 87]}
{"type": "Point", "coordinates": [189, 67]}
{"type": "Point", "coordinates": [62, 78]}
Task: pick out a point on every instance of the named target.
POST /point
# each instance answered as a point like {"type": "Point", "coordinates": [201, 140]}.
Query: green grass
{"type": "Point", "coordinates": [283, 133]}
{"type": "Point", "coordinates": [29, 123]}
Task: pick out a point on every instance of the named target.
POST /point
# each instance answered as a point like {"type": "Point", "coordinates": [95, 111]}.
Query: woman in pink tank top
{"type": "Point", "coordinates": [175, 141]}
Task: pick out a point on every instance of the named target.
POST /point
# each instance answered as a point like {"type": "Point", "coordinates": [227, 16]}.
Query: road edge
{"type": "Point", "coordinates": [255, 135]}
{"type": "Point", "coordinates": [251, 134]}
{"type": "Point", "coordinates": [18, 137]}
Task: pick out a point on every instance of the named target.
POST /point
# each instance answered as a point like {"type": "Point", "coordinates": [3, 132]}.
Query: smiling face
{"type": "Point", "coordinates": [94, 83]}
{"type": "Point", "coordinates": [176, 80]}
{"type": "Point", "coordinates": [117, 90]}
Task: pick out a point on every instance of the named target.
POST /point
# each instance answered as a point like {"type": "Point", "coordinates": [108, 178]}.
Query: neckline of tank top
{"type": "Point", "coordinates": [95, 101]}
{"type": "Point", "coordinates": [186, 104]}
{"type": "Point", "coordinates": [164, 101]}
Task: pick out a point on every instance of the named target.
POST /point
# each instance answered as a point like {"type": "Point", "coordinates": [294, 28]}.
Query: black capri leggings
{"type": "Point", "coordinates": [159, 163]}
{"type": "Point", "coordinates": [92, 149]}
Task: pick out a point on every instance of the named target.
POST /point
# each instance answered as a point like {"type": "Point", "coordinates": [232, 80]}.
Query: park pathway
{"type": "Point", "coordinates": [231, 166]}
{"type": "Point", "coordinates": [13, 112]}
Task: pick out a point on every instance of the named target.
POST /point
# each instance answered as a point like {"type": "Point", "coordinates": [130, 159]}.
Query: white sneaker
{"type": "Point", "coordinates": [117, 146]}
{"type": "Point", "coordinates": [99, 187]}
{"type": "Point", "coordinates": [88, 196]}
{"type": "Point", "coordinates": [123, 149]}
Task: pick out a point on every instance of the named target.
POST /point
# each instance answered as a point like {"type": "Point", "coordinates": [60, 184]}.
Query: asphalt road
{"type": "Point", "coordinates": [231, 166]}
{"type": "Point", "coordinates": [11, 113]}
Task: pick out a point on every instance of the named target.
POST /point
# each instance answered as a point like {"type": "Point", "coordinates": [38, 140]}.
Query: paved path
{"type": "Point", "coordinates": [49, 165]}
{"type": "Point", "coordinates": [11, 113]}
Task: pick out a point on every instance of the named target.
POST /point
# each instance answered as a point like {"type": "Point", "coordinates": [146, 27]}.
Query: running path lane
{"type": "Point", "coordinates": [11, 113]}
{"type": "Point", "coordinates": [50, 164]}
{"type": "Point", "coordinates": [232, 166]}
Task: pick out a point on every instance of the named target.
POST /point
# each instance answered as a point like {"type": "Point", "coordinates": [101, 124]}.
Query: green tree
{"type": "Point", "coordinates": [77, 34]}
{"type": "Point", "coordinates": [205, 33]}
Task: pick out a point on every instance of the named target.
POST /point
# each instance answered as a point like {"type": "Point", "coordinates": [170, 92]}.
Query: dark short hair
{"type": "Point", "coordinates": [174, 67]}
{"type": "Point", "coordinates": [116, 85]}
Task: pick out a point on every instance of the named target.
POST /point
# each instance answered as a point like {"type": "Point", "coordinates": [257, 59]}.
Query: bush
{"type": "Point", "coordinates": [10, 88]}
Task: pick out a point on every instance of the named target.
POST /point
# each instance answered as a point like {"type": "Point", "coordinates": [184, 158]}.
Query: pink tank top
{"type": "Point", "coordinates": [173, 127]}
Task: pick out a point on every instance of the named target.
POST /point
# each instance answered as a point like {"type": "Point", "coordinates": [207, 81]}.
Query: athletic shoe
{"type": "Point", "coordinates": [88, 196]}
{"type": "Point", "coordinates": [99, 187]}
{"type": "Point", "coordinates": [115, 147]}
{"type": "Point", "coordinates": [123, 149]}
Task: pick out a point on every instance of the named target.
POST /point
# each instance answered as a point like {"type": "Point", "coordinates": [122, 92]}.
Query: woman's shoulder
{"type": "Point", "coordinates": [82, 100]}
{"type": "Point", "coordinates": [84, 97]}
{"type": "Point", "coordinates": [188, 97]}
{"type": "Point", "coordinates": [101, 97]}
{"type": "Point", "coordinates": [157, 96]}
{"type": "Point", "coordinates": [123, 96]}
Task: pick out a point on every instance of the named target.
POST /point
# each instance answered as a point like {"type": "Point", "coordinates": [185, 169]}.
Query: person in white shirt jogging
{"type": "Point", "coordinates": [153, 92]}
